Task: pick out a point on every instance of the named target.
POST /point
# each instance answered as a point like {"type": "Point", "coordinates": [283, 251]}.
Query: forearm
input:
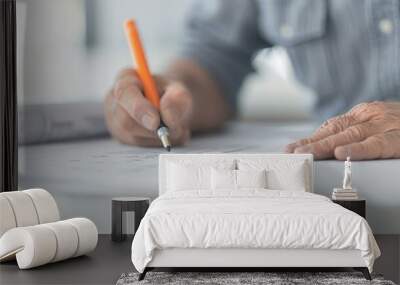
{"type": "Point", "coordinates": [210, 110]}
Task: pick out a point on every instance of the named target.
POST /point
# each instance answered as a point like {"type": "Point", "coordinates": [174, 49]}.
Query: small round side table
{"type": "Point", "coordinates": [139, 205]}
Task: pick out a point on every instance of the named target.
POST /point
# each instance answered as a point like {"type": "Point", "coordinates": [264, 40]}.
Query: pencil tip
{"type": "Point", "coordinates": [168, 148]}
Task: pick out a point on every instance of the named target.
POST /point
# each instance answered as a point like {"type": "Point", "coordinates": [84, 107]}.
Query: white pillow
{"type": "Point", "coordinates": [251, 178]}
{"type": "Point", "coordinates": [188, 175]}
{"type": "Point", "coordinates": [226, 179]}
{"type": "Point", "coordinates": [223, 179]}
{"type": "Point", "coordinates": [282, 174]}
{"type": "Point", "coordinates": [184, 177]}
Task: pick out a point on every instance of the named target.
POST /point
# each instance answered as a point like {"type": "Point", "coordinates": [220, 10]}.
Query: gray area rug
{"type": "Point", "coordinates": [269, 278]}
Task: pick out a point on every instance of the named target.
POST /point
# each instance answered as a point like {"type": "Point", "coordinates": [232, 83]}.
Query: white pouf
{"type": "Point", "coordinates": [37, 245]}
{"type": "Point", "coordinates": [30, 230]}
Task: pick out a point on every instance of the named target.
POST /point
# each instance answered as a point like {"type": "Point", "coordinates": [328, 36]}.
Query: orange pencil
{"type": "Point", "coordinates": [149, 85]}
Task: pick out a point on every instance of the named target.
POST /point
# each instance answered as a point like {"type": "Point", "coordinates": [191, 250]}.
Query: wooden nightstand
{"type": "Point", "coordinates": [357, 206]}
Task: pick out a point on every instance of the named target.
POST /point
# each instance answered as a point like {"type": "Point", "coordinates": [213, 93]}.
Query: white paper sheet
{"type": "Point", "coordinates": [84, 175]}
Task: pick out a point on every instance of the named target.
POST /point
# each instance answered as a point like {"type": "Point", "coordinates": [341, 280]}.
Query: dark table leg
{"type": "Point", "coordinates": [116, 222]}
{"type": "Point", "coordinates": [118, 207]}
{"type": "Point", "coordinates": [140, 209]}
{"type": "Point", "coordinates": [364, 271]}
{"type": "Point", "coordinates": [142, 275]}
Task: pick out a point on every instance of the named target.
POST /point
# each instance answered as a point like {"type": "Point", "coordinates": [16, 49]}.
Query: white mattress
{"type": "Point", "coordinates": [250, 219]}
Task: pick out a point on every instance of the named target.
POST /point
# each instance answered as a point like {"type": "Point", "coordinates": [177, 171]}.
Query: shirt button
{"type": "Point", "coordinates": [386, 26]}
{"type": "Point", "coordinates": [286, 31]}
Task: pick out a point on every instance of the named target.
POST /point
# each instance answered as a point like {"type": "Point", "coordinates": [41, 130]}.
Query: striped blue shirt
{"type": "Point", "coordinates": [347, 51]}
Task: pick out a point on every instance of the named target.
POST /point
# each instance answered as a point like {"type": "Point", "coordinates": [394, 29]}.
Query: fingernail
{"type": "Point", "coordinates": [303, 149]}
{"type": "Point", "coordinates": [149, 122]}
{"type": "Point", "coordinates": [342, 152]}
{"type": "Point", "coordinates": [290, 148]}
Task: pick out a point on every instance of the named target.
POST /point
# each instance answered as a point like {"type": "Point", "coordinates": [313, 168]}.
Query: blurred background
{"type": "Point", "coordinates": [71, 51]}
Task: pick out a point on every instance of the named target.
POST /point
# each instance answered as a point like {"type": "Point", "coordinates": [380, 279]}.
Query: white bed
{"type": "Point", "coordinates": [204, 226]}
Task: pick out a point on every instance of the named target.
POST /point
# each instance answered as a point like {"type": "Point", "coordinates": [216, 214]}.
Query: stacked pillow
{"type": "Point", "coordinates": [238, 179]}
{"type": "Point", "coordinates": [236, 174]}
{"type": "Point", "coordinates": [283, 174]}
{"type": "Point", "coordinates": [186, 175]}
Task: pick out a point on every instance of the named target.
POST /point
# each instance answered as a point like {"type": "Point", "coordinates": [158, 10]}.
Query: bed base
{"type": "Point", "coordinates": [251, 259]}
{"type": "Point", "coordinates": [363, 270]}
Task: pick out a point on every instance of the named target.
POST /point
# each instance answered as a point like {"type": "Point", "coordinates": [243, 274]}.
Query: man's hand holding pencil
{"type": "Point", "coordinates": [132, 119]}
{"type": "Point", "coordinates": [140, 107]}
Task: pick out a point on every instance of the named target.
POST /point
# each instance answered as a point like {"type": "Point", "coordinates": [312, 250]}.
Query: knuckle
{"type": "Point", "coordinates": [338, 123]}
{"type": "Point", "coordinates": [176, 92]}
{"type": "Point", "coordinates": [359, 109]}
{"type": "Point", "coordinates": [377, 104]}
{"type": "Point", "coordinates": [325, 145]}
{"type": "Point", "coordinates": [348, 119]}
{"type": "Point", "coordinates": [356, 132]}
{"type": "Point", "coordinates": [334, 127]}
{"type": "Point", "coordinates": [320, 129]}
{"type": "Point", "coordinates": [179, 88]}
{"type": "Point", "coordinates": [331, 121]}
{"type": "Point", "coordinates": [361, 106]}
{"type": "Point", "coordinates": [377, 107]}
{"type": "Point", "coordinates": [304, 141]}
{"type": "Point", "coordinates": [324, 124]}
{"type": "Point", "coordinates": [371, 110]}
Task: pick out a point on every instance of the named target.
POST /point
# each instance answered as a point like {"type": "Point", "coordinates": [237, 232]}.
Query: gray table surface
{"type": "Point", "coordinates": [84, 175]}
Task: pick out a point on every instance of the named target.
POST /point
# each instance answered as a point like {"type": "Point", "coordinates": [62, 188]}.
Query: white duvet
{"type": "Point", "coordinates": [250, 219]}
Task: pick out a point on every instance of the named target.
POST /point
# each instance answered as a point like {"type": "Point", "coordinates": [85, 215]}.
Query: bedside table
{"type": "Point", "coordinates": [357, 206]}
{"type": "Point", "coordinates": [138, 205]}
